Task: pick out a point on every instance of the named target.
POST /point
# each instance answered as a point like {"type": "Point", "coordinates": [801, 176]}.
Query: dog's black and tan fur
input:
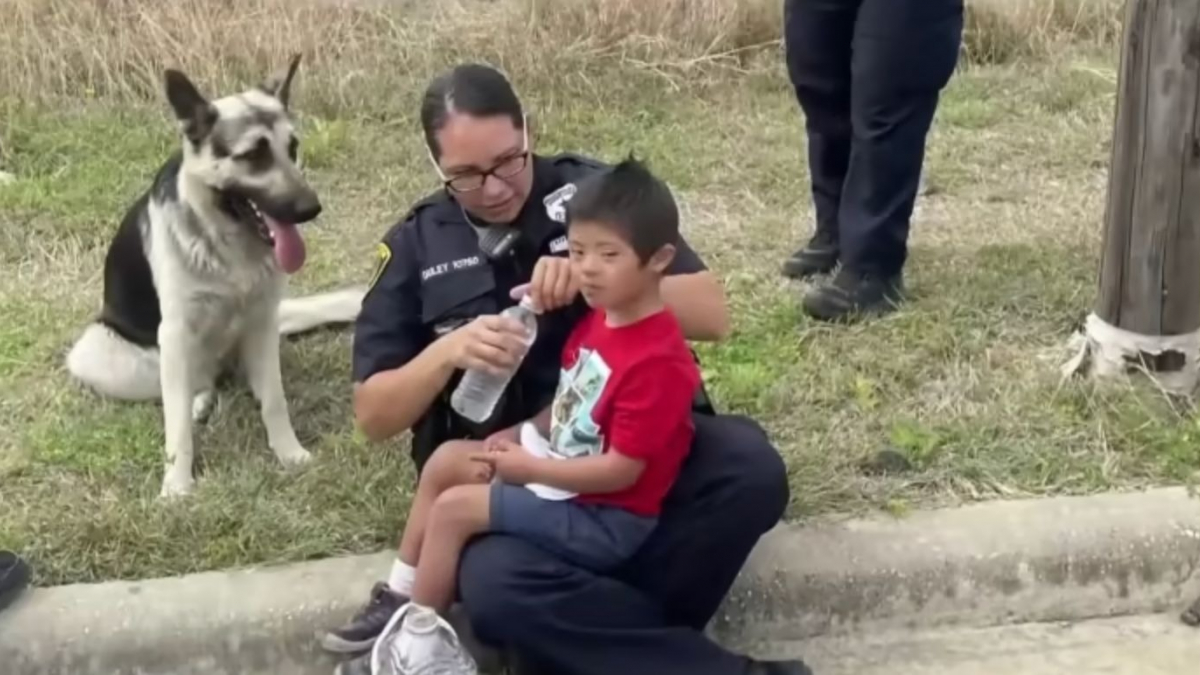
{"type": "Point", "coordinates": [194, 277]}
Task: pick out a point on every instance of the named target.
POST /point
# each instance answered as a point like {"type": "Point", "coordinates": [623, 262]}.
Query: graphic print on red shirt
{"type": "Point", "coordinates": [630, 389]}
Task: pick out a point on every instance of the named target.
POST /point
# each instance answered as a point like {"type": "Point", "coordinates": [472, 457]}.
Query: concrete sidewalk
{"type": "Point", "coordinates": [1137, 645]}
{"type": "Point", "coordinates": [984, 565]}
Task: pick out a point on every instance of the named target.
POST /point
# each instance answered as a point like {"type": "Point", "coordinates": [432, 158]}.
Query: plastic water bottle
{"type": "Point", "coordinates": [478, 392]}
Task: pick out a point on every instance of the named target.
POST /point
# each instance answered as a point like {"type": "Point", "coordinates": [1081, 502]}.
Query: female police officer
{"type": "Point", "coordinates": [447, 269]}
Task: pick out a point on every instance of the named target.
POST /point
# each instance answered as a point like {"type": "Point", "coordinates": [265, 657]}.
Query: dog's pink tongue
{"type": "Point", "coordinates": [289, 245]}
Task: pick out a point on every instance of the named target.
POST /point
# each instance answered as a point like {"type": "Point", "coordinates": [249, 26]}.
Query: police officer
{"type": "Point", "coordinates": [868, 74]}
{"type": "Point", "coordinates": [447, 269]}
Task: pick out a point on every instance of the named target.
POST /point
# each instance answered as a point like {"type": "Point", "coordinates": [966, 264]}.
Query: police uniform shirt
{"type": "Point", "coordinates": [433, 277]}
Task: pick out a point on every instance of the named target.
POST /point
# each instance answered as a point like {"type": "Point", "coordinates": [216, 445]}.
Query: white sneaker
{"type": "Point", "coordinates": [416, 641]}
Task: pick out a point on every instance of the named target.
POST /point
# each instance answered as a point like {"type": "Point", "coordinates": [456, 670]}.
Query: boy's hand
{"type": "Point", "coordinates": [553, 284]}
{"type": "Point", "coordinates": [510, 462]}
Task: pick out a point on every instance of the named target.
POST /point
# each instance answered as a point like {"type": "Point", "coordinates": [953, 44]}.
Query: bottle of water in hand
{"type": "Point", "coordinates": [478, 392]}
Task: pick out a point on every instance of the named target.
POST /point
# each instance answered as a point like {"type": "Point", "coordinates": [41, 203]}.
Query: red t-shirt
{"type": "Point", "coordinates": [631, 389]}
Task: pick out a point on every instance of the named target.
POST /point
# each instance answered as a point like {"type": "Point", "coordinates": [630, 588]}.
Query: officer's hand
{"type": "Point", "coordinates": [492, 343]}
{"type": "Point", "coordinates": [552, 285]}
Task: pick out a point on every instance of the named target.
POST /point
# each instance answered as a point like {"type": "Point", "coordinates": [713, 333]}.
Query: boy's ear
{"type": "Point", "coordinates": [661, 260]}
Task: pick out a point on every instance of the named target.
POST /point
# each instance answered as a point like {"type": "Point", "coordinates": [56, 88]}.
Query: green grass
{"type": "Point", "coordinates": [963, 383]}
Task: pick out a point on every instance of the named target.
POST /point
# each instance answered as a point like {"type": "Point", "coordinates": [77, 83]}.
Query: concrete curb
{"type": "Point", "coordinates": [1037, 560]}
{"type": "Point", "coordinates": [983, 565]}
{"type": "Point", "coordinates": [247, 621]}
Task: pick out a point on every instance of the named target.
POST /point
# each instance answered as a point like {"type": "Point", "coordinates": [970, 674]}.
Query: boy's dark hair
{"type": "Point", "coordinates": [633, 201]}
{"type": "Point", "coordinates": [473, 89]}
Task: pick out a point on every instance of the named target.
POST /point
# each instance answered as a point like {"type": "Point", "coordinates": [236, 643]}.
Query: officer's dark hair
{"type": "Point", "coordinates": [473, 89]}
{"type": "Point", "coordinates": [631, 200]}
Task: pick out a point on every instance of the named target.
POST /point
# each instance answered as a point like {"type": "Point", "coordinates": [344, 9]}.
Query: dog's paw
{"type": "Point", "coordinates": [176, 483]}
{"type": "Point", "coordinates": [293, 455]}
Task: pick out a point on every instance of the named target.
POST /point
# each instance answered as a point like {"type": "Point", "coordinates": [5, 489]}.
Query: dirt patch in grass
{"type": "Point", "coordinates": [963, 383]}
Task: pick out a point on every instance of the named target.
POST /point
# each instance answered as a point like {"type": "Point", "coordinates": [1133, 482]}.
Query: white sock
{"type": "Point", "coordinates": [420, 619]}
{"type": "Point", "coordinates": [402, 577]}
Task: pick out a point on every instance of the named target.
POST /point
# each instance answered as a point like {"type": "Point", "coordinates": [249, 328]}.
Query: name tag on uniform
{"type": "Point", "coordinates": [559, 245]}
{"type": "Point", "coordinates": [452, 266]}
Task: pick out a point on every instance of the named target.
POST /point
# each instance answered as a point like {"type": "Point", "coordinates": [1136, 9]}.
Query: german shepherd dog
{"type": "Point", "coordinates": [194, 277]}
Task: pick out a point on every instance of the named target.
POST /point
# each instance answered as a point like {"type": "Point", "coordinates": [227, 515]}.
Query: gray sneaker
{"type": "Point", "coordinates": [416, 641]}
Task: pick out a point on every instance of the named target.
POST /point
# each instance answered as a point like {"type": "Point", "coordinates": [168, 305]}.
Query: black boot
{"type": "Point", "coordinates": [852, 295]}
{"type": "Point", "coordinates": [819, 256]}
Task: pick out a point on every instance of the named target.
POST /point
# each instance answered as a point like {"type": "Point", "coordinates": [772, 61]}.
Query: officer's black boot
{"type": "Point", "coordinates": [818, 256]}
{"type": "Point", "coordinates": [852, 295]}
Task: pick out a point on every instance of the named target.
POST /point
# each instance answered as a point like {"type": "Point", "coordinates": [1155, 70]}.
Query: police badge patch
{"type": "Point", "coordinates": [556, 202]}
{"type": "Point", "coordinates": [384, 255]}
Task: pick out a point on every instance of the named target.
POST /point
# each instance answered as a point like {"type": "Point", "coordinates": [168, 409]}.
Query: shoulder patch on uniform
{"type": "Point", "coordinates": [556, 202]}
{"type": "Point", "coordinates": [383, 255]}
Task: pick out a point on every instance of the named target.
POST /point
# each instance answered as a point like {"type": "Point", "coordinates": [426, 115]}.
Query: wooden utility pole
{"type": "Point", "coordinates": [1147, 315]}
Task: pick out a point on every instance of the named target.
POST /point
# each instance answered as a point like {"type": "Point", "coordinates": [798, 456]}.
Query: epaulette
{"type": "Point", "coordinates": [437, 199]}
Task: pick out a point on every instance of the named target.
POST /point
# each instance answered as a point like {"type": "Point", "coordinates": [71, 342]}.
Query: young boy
{"type": "Point", "coordinates": [589, 474]}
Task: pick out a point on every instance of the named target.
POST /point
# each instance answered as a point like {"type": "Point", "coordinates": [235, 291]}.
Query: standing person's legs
{"type": "Point", "coordinates": [904, 52]}
{"type": "Point", "coordinates": [817, 39]}
{"type": "Point", "coordinates": [644, 620]}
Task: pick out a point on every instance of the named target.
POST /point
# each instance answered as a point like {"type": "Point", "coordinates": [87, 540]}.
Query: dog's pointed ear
{"type": "Point", "coordinates": [195, 114]}
{"type": "Point", "coordinates": [279, 85]}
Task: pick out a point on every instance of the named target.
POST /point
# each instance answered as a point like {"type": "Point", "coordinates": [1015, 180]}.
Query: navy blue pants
{"type": "Point", "coordinates": [868, 74]}
{"type": "Point", "coordinates": [647, 617]}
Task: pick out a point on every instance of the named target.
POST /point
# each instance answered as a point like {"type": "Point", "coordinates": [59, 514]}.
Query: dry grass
{"type": "Point", "coordinates": [1000, 31]}
{"type": "Point", "coordinates": [365, 56]}
{"type": "Point", "coordinates": [963, 383]}
{"type": "Point", "coordinates": [361, 55]}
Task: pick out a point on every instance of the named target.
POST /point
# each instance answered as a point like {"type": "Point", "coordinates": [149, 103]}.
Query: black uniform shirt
{"type": "Point", "coordinates": [433, 278]}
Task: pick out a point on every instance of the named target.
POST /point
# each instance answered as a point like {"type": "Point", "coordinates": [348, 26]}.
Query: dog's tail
{"type": "Point", "coordinates": [297, 315]}
{"type": "Point", "coordinates": [113, 366]}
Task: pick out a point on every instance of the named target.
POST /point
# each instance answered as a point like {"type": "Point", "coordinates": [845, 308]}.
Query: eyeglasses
{"type": "Point", "coordinates": [507, 168]}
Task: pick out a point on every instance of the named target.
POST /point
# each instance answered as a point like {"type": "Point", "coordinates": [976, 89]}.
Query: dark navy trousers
{"type": "Point", "coordinates": [868, 74]}
{"type": "Point", "coordinates": [646, 618]}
